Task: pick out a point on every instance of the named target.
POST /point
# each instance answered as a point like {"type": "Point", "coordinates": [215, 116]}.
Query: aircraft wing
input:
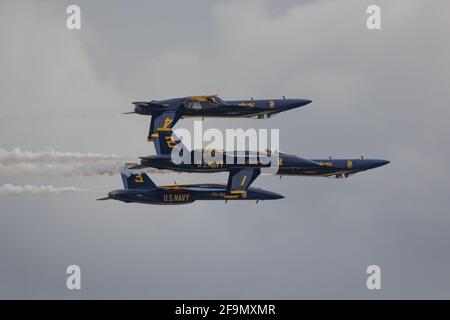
{"type": "Point", "coordinates": [240, 179]}
{"type": "Point", "coordinates": [163, 121]}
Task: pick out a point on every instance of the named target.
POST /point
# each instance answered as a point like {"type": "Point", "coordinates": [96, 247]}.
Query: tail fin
{"type": "Point", "coordinates": [165, 119]}
{"type": "Point", "coordinates": [165, 141]}
{"type": "Point", "coordinates": [133, 180]}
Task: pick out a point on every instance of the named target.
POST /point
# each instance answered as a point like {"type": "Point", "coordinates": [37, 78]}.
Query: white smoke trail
{"type": "Point", "coordinates": [18, 155]}
{"type": "Point", "coordinates": [87, 169]}
{"type": "Point", "coordinates": [9, 189]}
{"type": "Point", "coordinates": [61, 169]}
{"type": "Point", "coordinates": [60, 164]}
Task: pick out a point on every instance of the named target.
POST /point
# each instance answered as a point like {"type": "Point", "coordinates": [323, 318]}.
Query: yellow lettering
{"type": "Point", "coordinates": [182, 197]}
{"type": "Point", "coordinates": [349, 164]}
{"type": "Point", "coordinates": [170, 143]}
{"type": "Point", "coordinates": [271, 104]}
{"type": "Point", "coordinates": [243, 181]}
{"type": "Point", "coordinates": [167, 122]}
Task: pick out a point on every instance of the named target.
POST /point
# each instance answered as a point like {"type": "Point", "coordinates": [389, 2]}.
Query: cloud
{"type": "Point", "coordinates": [52, 95]}
{"type": "Point", "coordinates": [48, 62]}
{"type": "Point", "coordinates": [377, 93]}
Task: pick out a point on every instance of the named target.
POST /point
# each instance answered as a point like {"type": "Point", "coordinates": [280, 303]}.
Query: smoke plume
{"type": "Point", "coordinates": [61, 170]}
{"type": "Point", "coordinates": [60, 164]}
{"type": "Point", "coordinates": [17, 155]}
{"type": "Point", "coordinates": [9, 189]}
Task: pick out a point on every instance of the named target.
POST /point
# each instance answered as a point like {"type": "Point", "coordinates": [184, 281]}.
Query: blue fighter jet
{"type": "Point", "coordinates": [139, 188]}
{"type": "Point", "coordinates": [166, 113]}
{"type": "Point", "coordinates": [245, 166]}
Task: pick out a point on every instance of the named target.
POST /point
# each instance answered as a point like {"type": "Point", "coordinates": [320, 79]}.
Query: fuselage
{"type": "Point", "coordinates": [213, 106]}
{"type": "Point", "coordinates": [339, 168]}
{"type": "Point", "coordinates": [184, 194]}
{"type": "Point", "coordinates": [284, 164]}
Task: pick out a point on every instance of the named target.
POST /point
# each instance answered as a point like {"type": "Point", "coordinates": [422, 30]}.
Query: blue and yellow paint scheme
{"type": "Point", "coordinates": [245, 166]}
{"type": "Point", "coordinates": [292, 165]}
{"type": "Point", "coordinates": [166, 113]}
{"type": "Point", "coordinates": [139, 188]}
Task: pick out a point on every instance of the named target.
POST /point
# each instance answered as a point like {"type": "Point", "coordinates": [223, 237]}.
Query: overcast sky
{"type": "Point", "coordinates": [382, 94]}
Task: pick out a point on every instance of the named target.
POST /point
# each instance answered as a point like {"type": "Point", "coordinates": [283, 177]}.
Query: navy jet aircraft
{"type": "Point", "coordinates": [336, 168]}
{"type": "Point", "coordinates": [138, 187]}
{"type": "Point", "coordinates": [245, 167]}
{"type": "Point", "coordinates": [165, 113]}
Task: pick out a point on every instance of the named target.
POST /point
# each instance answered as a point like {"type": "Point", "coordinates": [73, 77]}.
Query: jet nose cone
{"type": "Point", "coordinates": [382, 163]}
{"type": "Point", "coordinates": [273, 196]}
{"type": "Point", "coordinates": [300, 103]}
{"type": "Point", "coordinates": [294, 103]}
{"type": "Point", "coordinates": [378, 163]}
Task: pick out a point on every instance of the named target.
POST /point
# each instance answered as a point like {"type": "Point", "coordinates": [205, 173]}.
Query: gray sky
{"type": "Point", "coordinates": [383, 94]}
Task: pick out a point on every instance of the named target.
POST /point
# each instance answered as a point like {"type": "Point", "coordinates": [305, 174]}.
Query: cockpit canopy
{"type": "Point", "coordinates": [203, 102]}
